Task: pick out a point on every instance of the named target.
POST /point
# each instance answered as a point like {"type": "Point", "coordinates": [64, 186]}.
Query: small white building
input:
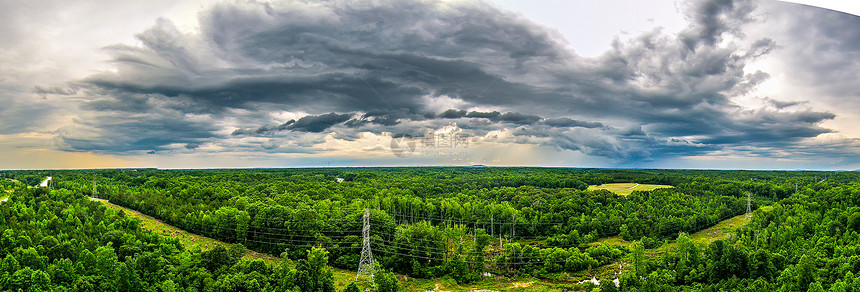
{"type": "Point", "coordinates": [339, 179]}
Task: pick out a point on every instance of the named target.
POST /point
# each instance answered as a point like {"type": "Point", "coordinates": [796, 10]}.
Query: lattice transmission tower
{"type": "Point", "coordinates": [365, 264]}
{"type": "Point", "coordinates": [749, 205]}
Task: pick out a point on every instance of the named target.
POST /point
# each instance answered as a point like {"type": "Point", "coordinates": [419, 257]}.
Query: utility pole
{"type": "Point", "coordinates": [365, 264]}
{"type": "Point", "coordinates": [492, 225]}
{"type": "Point", "coordinates": [474, 234]}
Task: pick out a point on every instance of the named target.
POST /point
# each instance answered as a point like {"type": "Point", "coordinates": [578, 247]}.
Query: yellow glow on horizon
{"type": "Point", "coordinates": [22, 158]}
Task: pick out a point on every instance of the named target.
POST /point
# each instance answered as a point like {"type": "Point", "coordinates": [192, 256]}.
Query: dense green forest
{"type": "Point", "coordinates": [458, 223]}
{"type": "Point", "coordinates": [61, 241]}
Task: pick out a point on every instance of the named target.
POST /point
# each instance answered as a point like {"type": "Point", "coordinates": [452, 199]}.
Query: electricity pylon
{"type": "Point", "coordinates": [749, 205]}
{"type": "Point", "coordinates": [365, 264]}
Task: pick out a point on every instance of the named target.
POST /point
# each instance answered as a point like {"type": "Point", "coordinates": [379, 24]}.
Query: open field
{"type": "Point", "coordinates": [625, 189]}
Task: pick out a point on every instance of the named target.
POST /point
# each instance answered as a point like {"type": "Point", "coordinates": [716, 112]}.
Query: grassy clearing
{"type": "Point", "coordinates": [625, 189]}
{"type": "Point", "coordinates": [722, 230]}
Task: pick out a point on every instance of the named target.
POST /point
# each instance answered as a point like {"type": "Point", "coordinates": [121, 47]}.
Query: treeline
{"type": "Point", "coordinates": [430, 222]}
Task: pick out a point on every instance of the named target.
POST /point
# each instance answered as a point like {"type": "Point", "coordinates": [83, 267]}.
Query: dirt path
{"type": "Point", "coordinates": [630, 188]}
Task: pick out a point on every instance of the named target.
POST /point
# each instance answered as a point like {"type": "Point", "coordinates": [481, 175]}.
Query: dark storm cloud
{"type": "Point", "coordinates": [58, 90]}
{"type": "Point", "coordinates": [710, 20]}
{"type": "Point", "coordinates": [263, 129]}
{"type": "Point", "coordinates": [350, 57]}
{"type": "Point", "coordinates": [495, 116]}
{"type": "Point", "coordinates": [319, 123]}
{"type": "Point", "coordinates": [310, 123]}
{"type": "Point", "coordinates": [453, 114]}
{"type": "Point", "coordinates": [129, 133]}
{"type": "Point", "coordinates": [782, 104]}
{"type": "Point", "coordinates": [568, 123]}
{"type": "Point", "coordinates": [377, 67]}
{"type": "Point", "coordinates": [393, 117]}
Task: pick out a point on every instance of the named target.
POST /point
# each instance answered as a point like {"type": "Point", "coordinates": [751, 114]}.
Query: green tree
{"type": "Point", "coordinates": [607, 286]}
{"type": "Point", "coordinates": [805, 271]}
{"type": "Point", "coordinates": [352, 287]}
{"type": "Point", "coordinates": [638, 259]}
{"type": "Point", "coordinates": [815, 287]}
{"type": "Point", "coordinates": [385, 281]}
{"type": "Point", "coordinates": [220, 257]}
{"type": "Point", "coordinates": [313, 273]}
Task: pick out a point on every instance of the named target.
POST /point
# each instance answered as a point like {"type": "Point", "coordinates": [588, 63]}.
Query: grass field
{"type": "Point", "coordinates": [625, 189]}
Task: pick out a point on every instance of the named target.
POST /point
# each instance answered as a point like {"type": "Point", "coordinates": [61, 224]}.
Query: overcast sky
{"type": "Point", "coordinates": [652, 84]}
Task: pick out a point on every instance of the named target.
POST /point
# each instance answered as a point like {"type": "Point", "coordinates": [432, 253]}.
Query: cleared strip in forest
{"type": "Point", "coordinates": [188, 239]}
{"type": "Point", "coordinates": [722, 230]}
{"type": "Point", "coordinates": [341, 277]}
{"type": "Point", "coordinates": [192, 240]}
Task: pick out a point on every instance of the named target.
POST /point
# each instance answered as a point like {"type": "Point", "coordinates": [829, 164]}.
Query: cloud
{"type": "Point", "coordinates": [782, 104]}
{"type": "Point", "coordinates": [44, 91]}
{"type": "Point", "coordinates": [384, 67]}
{"type": "Point", "coordinates": [495, 116]}
{"type": "Point", "coordinates": [711, 20]}
{"type": "Point", "coordinates": [309, 123]}
{"type": "Point", "coordinates": [819, 55]}
{"type": "Point", "coordinates": [319, 123]}
{"type": "Point", "coordinates": [568, 123]}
